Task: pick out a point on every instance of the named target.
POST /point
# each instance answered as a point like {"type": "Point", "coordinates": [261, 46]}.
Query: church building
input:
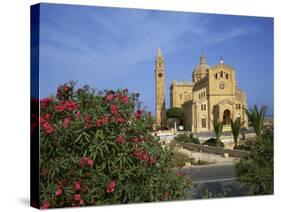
{"type": "Point", "coordinates": [213, 94]}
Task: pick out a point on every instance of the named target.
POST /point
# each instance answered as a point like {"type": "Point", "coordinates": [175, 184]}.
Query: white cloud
{"type": "Point", "coordinates": [116, 41]}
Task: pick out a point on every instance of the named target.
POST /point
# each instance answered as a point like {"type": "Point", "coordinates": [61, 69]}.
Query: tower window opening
{"type": "Point", "coordinates": [216, 76]}
{"type": "Point", "coordinates": [221, 74]}
{"type": "Point", "coordinates": [226, 76]}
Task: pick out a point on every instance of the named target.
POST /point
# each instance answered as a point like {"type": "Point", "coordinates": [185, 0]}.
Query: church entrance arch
{"type": "Point", "coordinates": [226, 117]}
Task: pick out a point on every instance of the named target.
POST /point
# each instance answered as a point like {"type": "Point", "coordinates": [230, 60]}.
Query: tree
{"type": "Point", "coordinates": [175, 112]}
{"type": "Point", "coordinates": [256, 117]}
{"type": "Point", "coordinates": [256, 170]}
{"type": "Point", "coordinates": [96, 148]}
{"type": "Point", "coordinates": [218, 127]}
{"type": "Point", "coordinates": [235, 129]}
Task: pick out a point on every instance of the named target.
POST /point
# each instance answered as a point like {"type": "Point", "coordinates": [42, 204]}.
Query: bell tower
{"type": "Point", "coordinates": [160, 90]}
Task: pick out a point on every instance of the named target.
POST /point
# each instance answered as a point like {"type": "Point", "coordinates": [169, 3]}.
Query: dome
{"type": "Point", "coordinates": [200, 70]}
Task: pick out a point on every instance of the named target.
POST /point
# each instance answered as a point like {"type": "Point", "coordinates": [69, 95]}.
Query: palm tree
{"type": "Point", "coordinates": [256, 117]}
{"type": "Point", "coordinates": [218, 126]}
{"type": "Point", "coordinates": [235, 129]}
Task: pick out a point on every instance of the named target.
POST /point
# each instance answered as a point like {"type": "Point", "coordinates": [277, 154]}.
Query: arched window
{"type": "Point", "coordinates": [216, 75]}
{"type": "Point", "coordinates": [221, 74]}
{"type": "Point", "coordinates": [226, 76]}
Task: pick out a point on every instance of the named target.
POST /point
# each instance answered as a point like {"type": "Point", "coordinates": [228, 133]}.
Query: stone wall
{"type": "Point", "coordinates": [216, 150]}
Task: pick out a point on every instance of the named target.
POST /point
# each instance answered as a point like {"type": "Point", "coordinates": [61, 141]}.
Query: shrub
{"type": "Point", "coordinates": [213, 142]}
{"type": "Point", "coordinates": [186, 138]}
{"type": "Point", "coordinates": [175, 112]}
{"type": "Point", "coordinates": [256, 170]}
{"type": "Point", "coordinates": [96, 148]}
{"type": "Point", "coordinates": [179, 159]}
{"type": "Point", "coordinates": [247, 145]}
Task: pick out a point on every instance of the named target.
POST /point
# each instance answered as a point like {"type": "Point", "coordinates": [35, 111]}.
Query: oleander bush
{"type": "Point", "coordinates": [256, 170]}
{"type": "Point", "coordinates": [96, 148]}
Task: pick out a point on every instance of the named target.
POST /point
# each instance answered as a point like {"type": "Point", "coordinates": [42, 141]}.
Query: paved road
{"type": "Point", "coordinates": [211, 173]}
{"type": "Point", "coordinates": [217, 180]}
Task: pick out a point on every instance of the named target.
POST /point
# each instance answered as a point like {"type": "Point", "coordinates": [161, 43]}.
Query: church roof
{"type": "Point", "coordinates": [175, 82]}
{"type": "Point", "coordinates": [202, 67]}
{"type": "Point", "coordinates": [222, 65]}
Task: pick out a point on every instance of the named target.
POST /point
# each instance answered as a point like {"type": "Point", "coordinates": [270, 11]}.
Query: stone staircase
{"type": "Point", "coordinates": [226, 128]}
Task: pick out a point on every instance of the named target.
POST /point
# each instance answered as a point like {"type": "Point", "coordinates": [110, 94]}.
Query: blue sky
{"type": "Point", "coordinates": [110, 48]}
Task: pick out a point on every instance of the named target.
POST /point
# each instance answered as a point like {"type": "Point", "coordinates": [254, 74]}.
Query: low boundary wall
{"type": "Point", "coordinates": [215, 150]}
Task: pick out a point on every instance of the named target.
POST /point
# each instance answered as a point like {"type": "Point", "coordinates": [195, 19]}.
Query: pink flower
{"type": "Point", "coordinates": [101, 122]}
{"type": "Point", "coordinates": [90, 162]}
{"type": "Point", "coordinates": [138, 114]}
{"type": "Point", "coordinates": [42, 119]}
{"type": "Point", "coordinates": [120, 139]}
{"type": "Point", "coordinates": [78, 115]}
{"type": "Point", "coordinates": [47, 116]}
{"type": "Point", "coordinates": [124, 99]}
{"type": "Point", "coordinates": [81, 202]}
{"type": "Point", "coordinates": [109, 97]}
{"type": "Point", "coordinates": [111, 186]}
{"type": "Point", "coordinates": [77, 197]}
{"type": "Point", "coordinates": [112, 119]}
{"type": "Point", "coordinates": [144, 156]}
{"type": "Point", "coordinates": [66, 105]}
{"type": "Point", "coordinates": [60, 107]}
{"type": "Point", "coordinates": [66, 88]}
{"type": "Point", "coordinates": [70, 105]}
{"type": "Point", "coordinates": [141, 155]}
{"type": "Point", "coordinates": [151, 160]}
{"type": "Point", "coordinates": [114, 109]}
{"type": "Point", "coordinates": [83, 161]}
{"type": "Point", "coordinates": [120, 120]}
{"type": "Point", "coordinates": [77, 186]}
{"type": "Point", "coordinates": [45, 205]}
{"type": "Point", "coordinates": [48, 128]}
{"type": "Point", "coordinates": [66, 122]}
{"type": "Point", "coordinates": [45, 102]}
{"type": "Point", "coordinates": [86, 160]}
{"type": "Point", "coordinates": [88, 118]}
{"type": "Point", "coordinates": [88, 121]}
{"type": "Point", "coordinates": [58, 192]}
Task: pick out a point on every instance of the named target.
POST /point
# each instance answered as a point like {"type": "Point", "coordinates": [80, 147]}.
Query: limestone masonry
{"type": "Point", "coordinates": [213, 94]}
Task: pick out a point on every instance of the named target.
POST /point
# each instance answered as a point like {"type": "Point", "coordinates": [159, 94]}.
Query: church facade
{"type": "Point", "coordinates": [213, 94]}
